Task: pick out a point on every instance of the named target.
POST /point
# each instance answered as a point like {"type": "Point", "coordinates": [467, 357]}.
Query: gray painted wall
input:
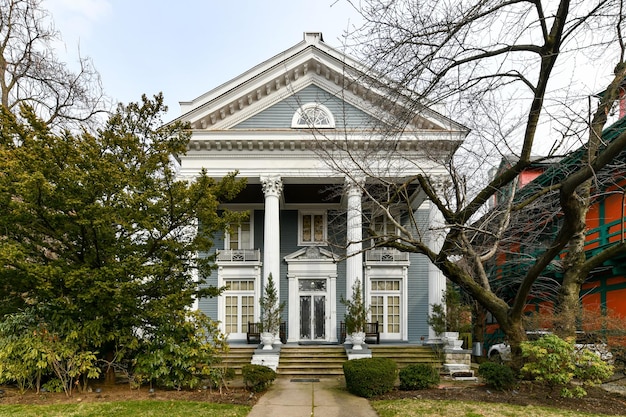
{"type": "Point", "coordinates": [418, 289]}
{"type": "Point", "coordinates": [279, 115]}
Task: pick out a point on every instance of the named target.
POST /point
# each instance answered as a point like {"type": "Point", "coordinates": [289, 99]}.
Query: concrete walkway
{"type": "Point", "coordinates": [325, 397]}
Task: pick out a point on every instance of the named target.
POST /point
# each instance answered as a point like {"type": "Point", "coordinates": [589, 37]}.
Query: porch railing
{"type": "Point", "coordinates": [239, 255]}
{"type": "Point", "coordinates": [386, 255]}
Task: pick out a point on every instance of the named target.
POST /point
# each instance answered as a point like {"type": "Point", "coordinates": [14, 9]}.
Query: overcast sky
{"type": "Point", "coordinates": [187, 47]}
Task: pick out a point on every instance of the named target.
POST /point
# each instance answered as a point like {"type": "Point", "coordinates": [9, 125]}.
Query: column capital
{"type": "Point", "coordinates": [354, 185]}
{"type": "Point", "coordinates": [272, 185]}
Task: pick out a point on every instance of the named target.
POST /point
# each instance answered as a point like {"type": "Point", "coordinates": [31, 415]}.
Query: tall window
{"type": "Point", "coordinates": [382, 226]}
{"type": "Point", "coordinates": [312, 228]}
{"type": "Point", "coordinates": [239, 297]}
{"type": "Point", "coordinates": [313, 115]}
{"type": "Point", "coordinates": [240, 237]}
{"type": "Point", "coordinates": [385, 306]}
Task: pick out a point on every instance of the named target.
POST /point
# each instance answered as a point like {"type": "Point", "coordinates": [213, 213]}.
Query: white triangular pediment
{"type": "Point", "coordinates": [309, 63]}
{"type": "Point", "coordinates": [310, 254]}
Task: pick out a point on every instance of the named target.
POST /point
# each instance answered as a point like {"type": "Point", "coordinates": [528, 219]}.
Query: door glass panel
{"type": "Point", "coordinates": [393, 314]}
{"type": "Point", "coordinates": [305, 317]}
{"type": "Point", "coordinates": [247, 310]}
{"type": "Point", "coordinates": [377, 310]}
{"type": "Point", "coordinates": [320, 317]}
{"type": "Point", "coordinates": [231, 315]}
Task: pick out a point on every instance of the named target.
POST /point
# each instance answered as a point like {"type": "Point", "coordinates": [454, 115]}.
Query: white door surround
{"type": "Point", "coordinates": [312, 276]}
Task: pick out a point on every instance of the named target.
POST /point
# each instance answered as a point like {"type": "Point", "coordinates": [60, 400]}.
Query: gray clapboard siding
{"type": "Point", "coordinates": [418, 289]}
{"type": "Point", "coordinates": [279, 115]}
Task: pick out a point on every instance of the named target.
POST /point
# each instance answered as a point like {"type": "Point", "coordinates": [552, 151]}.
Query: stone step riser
{"type": "Point", "coordinates": [327, 361]}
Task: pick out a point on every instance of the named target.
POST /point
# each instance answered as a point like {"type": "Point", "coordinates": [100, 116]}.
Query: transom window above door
{"type": "Point", "coordinates": [313, 115]}
{"type": "Point", "coordinates": [312, 228]}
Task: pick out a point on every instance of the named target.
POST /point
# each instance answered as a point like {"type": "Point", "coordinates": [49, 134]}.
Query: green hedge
{"type": "Point", "coordinates": [369, 377]}
{"type": "Point", "coordinates": [419, 376]}
{"type": "Point", "coordinates": [497, 376]}
{"type": "Point", "coordinates": [257, 377]}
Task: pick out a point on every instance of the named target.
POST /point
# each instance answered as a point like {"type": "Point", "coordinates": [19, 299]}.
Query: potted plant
{"type": "Point", "coordinates": [448, 319]}
{"type": "Point", "coordinates": [356, 316]}
{"type": "Point", "coordinates": [271, 311]}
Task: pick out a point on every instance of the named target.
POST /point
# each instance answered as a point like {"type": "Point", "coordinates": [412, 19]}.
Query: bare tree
{"type": "Point", "coordinates": [499, 66]}
{"type": "Point", "coordinates": [30, 73]}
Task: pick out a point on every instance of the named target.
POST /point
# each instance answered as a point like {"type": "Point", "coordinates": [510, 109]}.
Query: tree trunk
{"type": "Point", "coordinates": [516, 334]}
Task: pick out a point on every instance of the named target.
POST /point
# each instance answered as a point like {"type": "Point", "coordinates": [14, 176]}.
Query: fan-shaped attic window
{"type": "Point", "coordinates": [313, 115]}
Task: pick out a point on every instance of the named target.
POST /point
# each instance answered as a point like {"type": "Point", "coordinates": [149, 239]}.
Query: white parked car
{"type": "Point", "coordinates": [502, 351]}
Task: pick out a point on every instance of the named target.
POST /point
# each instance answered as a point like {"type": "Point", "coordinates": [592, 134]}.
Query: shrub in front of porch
{"type": "Point", "coordinates": [498, 376]}
{"type": "Point", "coordinates": [369, 377]}
{"type": "Point", "coordinates": [419, 376]}
{"type": "Point", "coordinates": [257, 378]}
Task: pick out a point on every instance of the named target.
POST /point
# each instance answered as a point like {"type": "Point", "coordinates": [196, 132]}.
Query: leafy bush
{"type": "Point", "coordinates": [180, 353]}
{"type": "Point", "coordinates": [370, 376]}
{"type": "Point", "coordinates": [556, 362]}
{"type": "Point", "coordinates": [419, 376]}
{"type": "Point", "coordinates": [257, 378]}
{"type": "Point", "coordinates": [31, 349]}
{"type": "Point", "coordinates": [590, 368]}
{"type": "Point", "coordinates": [53, 385]}
{"type": "Point", "coordinates": [498, 376]}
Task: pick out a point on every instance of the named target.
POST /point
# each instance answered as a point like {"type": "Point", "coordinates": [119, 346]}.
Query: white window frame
{"type": "Point", "coordinates": [248, 272]}
{"type": "Point", "coordinates": [387, 222]}
{"type": "Point", "coordinates": [227, 233]}
{"type": "Point", "coordinates": [303, 213]}
{"type": "Point", "coordinates": [390, 272]}
{"type": "Point", "coordinates": [307, 109]}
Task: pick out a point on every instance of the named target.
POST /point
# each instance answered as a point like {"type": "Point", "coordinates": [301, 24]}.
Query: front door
{"type": "Point", "coordinates": [312, 317]}
{"type": "Point", "coordinates": [312, 309]}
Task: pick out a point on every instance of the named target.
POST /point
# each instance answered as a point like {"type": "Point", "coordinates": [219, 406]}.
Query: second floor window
{"type": "Point", "coordinates": [312, 228]}
{"type": "Point", "coordinates": [239, 236]}
{"type": "Point", "coordinates": [382, 228]}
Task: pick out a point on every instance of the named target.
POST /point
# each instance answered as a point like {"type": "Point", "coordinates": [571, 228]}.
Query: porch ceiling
{"type": "Point", "coordinates": [297, 194]}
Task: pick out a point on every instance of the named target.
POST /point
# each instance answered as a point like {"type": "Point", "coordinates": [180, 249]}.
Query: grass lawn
{"type": "Point", "coordinates": [127, 409]}
{"type": "Point", "coordinates": [444, 408]}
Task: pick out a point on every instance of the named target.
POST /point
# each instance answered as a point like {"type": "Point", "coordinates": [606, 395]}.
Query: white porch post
{"type": "Point", "coordinates": [436, 279]}
{"type": "Point", "coordinates": [272, 187]}
{"type": "Point", "coordinates": [354, 261]}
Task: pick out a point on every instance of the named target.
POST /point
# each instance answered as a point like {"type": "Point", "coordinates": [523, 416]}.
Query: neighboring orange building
{"type": "Point", "coordinates": [605, 288]}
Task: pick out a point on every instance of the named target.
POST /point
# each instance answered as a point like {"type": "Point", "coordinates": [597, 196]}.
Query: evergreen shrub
{"type": "Point", "coordinates": [419, 376]}
{"type": "Point", "coordinates": [257, 378]}
{"type": "Point", "coordinates": [498, 376]}
{"type": "Point", "coordinates": [369, 377]}
{"type": "Point", "coordinates": [556, 362]}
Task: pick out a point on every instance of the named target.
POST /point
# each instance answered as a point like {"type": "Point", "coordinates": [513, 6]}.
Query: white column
{"type": "Point", "coordinates": [354, 261]}
{"type": "Point", "coordinates": [272, 187]}
{"type": "Point", "coordinates": [436, 279]}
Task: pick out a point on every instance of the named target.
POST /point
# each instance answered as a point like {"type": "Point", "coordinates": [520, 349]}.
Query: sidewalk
{"type": "Point", "coordinates": [327, 398]}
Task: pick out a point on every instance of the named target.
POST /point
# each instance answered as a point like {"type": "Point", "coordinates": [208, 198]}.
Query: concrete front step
{"type": "Point", "coordinates": [320, 361]}
{"type": "Point", "coordinates": [237, 357]}
{"type": "Point", "coordinates": [311, 361]}
{"type": "Point", "coordinates": [405, 355]}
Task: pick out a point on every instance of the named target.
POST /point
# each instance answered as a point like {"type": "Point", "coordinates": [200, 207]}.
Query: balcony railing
{"type": "Point", "coordinates": [386, 255]}
{"type": "Point", "coordinates": [239, 255]}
